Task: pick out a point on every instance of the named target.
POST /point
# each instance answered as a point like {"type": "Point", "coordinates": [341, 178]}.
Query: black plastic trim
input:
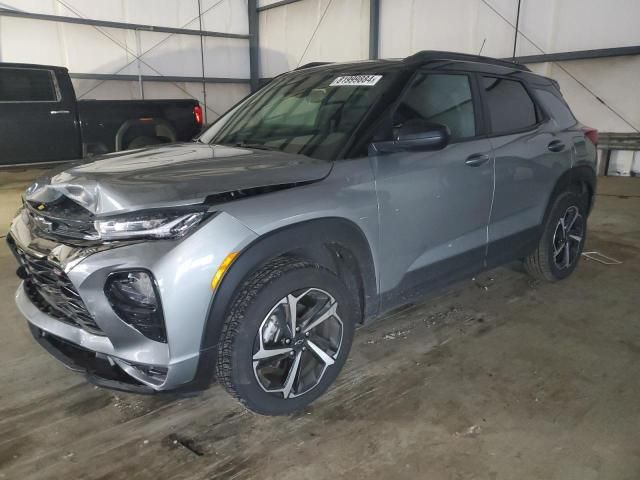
{"type": "Point", "coordinates": [513, 247]}
{"type": "Point", "coordinates": [156, 291]}
{"type": "Point", "coordinates": [78, 359]}
{"type": "Point", "coordinates": [575, 175]}
{"type": "Point", "coordinates": [433, 278]}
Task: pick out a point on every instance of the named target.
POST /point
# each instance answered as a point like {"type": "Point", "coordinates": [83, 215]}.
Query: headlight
{"type": "Point", "coordinates": [150, 225]}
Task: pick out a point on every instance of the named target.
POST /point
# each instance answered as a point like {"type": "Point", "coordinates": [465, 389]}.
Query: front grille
{"type": "Point", "coordinates": [63, 218]}
{"type": "Point", "coordinates": [50, 289]}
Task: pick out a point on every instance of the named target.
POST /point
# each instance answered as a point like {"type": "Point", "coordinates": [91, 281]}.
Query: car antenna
{"type": "Point", "coordinates": [482, 46]}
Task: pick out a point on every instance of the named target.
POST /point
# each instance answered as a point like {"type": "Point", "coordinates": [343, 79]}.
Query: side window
{"type": "Point", "coordinates": [510, 106]}
{"type": "Point", "coordinates": [26, 85]}
{"type": "Point", "coordinates": [440, 98]}
{"type": "Point", "coordinates": [556, 107]}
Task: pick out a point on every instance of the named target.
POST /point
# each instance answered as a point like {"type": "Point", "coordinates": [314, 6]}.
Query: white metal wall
{"type": "Point", "coordinates": [89, 49]}
{"type": "Point", "coordinates": [602, 92]}
{"type": "Point", "coordinates": [312, 30]}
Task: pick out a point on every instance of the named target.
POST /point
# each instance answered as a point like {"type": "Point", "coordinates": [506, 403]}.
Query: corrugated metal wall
{"type": "Point", "coordinates": [602, 92]}
{"type": "Point", "coordinates": [86, 49]}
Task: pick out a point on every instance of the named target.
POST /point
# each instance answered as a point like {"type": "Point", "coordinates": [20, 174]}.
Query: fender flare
{"type": "Point", "coordinates": [318, 240]}
{"type": "Point", "coordinates": [580, 175]}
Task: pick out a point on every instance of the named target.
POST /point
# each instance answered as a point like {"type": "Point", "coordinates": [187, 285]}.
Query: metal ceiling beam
{"type": "Point", "coordinates": [578, 55]}
{"type": "Point", "coordinates": [282, 3]}
{"type": "Point", "coordinates": [126, 26]}
{"type": "Point", "coordinates": [374, 29]}
{"type": "Point", "coordinates": [155, 78]}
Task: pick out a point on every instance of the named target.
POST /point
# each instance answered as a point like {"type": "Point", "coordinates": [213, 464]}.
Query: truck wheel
{"type": "Point", "coordinates": [140, 142]}
{"type": "Point", "coordinates": [286, 337]}
{"type": "Point", "coordinates": [560, 247]}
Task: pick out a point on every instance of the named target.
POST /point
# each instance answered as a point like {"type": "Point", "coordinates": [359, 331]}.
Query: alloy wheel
{"type": "Point", "coordinates": [297, 341]}
{"type": "Point", "coordinates": [567, 238]}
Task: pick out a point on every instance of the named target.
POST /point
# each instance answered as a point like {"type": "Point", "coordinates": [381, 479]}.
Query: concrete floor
{"type": "Point", "coordinates": [497, 378]}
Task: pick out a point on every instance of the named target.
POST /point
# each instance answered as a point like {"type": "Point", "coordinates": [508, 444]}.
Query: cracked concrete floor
{"type": "Point", "coordinates": [496, 378]}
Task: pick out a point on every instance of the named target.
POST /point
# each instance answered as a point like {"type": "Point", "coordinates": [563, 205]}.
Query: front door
{"type": "Point", "coordinates": [434, 206]}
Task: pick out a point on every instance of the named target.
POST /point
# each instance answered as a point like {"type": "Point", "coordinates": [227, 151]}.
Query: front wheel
{"type": "Point", "coordinates": [562, 241]}
{"type": "Point", "coordinates": [286, 337]}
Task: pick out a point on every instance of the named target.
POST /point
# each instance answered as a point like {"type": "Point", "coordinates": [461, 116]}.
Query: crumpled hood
{"type": "Point", "coordinates": [172, 175]}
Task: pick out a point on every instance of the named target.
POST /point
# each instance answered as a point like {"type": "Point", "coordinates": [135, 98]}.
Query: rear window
{"type": "Point", "coordinates": [556, 107]}
{"type": "Point", "coordinates": [510, 106]}
{"type": "Point", "coordinates": [26, 85]}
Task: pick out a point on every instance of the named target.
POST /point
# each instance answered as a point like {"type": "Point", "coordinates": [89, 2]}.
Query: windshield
{"type": "Point", "coordinates": [313, 114]}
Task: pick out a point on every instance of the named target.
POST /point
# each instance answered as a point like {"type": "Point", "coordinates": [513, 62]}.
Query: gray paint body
{"type": "Point", "coordinates": [422, 213]}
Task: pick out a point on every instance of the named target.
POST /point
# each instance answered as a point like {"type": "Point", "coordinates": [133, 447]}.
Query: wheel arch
{"type": "Point", "coordinates": [582, 177]}
{"type": "Point", "coordinates": [160, 127]}
{"type": "Point", "coordinates": [335, 243]}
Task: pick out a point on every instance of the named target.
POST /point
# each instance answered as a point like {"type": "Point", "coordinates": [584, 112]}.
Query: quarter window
{"type": "Point", "coordinates": [26, 85]}
{"type": "Point", "coordinates": [440, 98]}
{"type": "Point", "coordinates": [556, 107]}
{"type": "Point", "coordinates": [510, 106]}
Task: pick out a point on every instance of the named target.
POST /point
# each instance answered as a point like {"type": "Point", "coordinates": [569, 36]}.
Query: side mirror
{"type": "Point", "coordinates": [415, 135]}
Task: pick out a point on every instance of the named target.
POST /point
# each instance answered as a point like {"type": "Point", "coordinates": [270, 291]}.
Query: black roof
{"type": "Point", "coordinates": [418, 59]}
{"type": "Point", "coordinates": [439, 59]}
{"type": "Point", "coordinates": [32, 65]}
{"type": "Point", "coordinates": [427, 56]}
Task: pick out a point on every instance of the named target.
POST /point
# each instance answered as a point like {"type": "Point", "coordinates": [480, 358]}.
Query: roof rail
{"type": "Point", "coordinates": [312, 64]}
{"type": "Point", "coordinates": [435, 55]}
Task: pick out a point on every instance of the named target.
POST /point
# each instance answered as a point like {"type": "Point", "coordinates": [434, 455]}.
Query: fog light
{"type": "Point", "coordinates": [148, 374]}
{"type": "Point", "coordinates": [134, 297]}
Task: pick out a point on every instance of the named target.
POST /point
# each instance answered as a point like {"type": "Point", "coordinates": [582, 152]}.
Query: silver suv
{"type": "Point", "coordinates": [332, 195]}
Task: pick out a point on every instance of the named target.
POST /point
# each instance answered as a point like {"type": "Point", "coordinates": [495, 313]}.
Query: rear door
{"type": "Point", "coordinates": [36, 123]}
{"type": "Point", "coordinates": [530, 155]}
{"type": "Point", "coordinates": [434, 205]}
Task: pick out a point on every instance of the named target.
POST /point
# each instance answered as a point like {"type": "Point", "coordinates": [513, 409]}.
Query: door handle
{"type": "Point", "coordinates": [556, 146]}
{"type": "Point", "coordinates": [477, 159]}
{"type": "Point", "coordinates": [59, 112]}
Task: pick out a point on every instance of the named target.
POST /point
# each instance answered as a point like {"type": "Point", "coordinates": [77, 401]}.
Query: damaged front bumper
{"type": "Point", "coordinates": [99, 369]}
{"type": "Point", "coordinates": [93, 339]}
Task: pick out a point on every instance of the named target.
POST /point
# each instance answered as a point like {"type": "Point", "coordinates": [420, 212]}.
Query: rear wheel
{"type": "Point", "coordinates": [286, 338]}
{"type": "Point", "coordinates": [562, 241]}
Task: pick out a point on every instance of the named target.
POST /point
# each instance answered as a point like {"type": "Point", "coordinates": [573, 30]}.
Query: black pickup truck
{"type": "Point", "coordinates": [41, 120]}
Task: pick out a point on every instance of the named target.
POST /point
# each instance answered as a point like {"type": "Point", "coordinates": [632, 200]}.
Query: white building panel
{"type": "Point", "coordinates": [287, 37]}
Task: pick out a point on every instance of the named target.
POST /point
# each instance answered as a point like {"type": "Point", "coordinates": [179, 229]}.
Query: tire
{"type": "Point", "coordinates": [140, 142]}
{"type": "Point", "coordinates": [246, 365]}
{"type": "Point", "coordinates": [549, 262]}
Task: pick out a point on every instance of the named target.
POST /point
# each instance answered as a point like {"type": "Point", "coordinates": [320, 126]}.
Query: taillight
{"type": "Point", "coordinates": [197, 114]}
{"type": "Point", "coordinates": [591, 134]}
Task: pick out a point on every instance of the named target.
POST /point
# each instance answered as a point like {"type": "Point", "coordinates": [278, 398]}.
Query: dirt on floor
{"type": "Point", "coordinates": [498, 377]}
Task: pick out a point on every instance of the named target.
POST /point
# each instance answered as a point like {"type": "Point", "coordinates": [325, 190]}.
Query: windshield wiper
{"type": "Point", "coordinates": [256, 146]}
